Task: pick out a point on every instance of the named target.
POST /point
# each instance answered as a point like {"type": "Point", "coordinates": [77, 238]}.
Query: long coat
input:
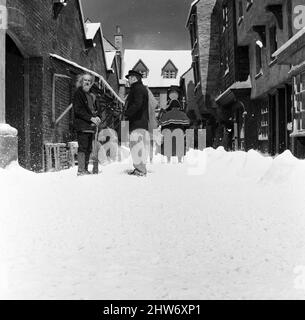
{"type": "Point", "coordinates": [82, 112]}
{"type": "Point", "coordinates": [137, 107]}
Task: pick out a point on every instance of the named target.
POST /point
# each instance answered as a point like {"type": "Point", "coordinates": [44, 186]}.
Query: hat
{"type": "Point", "coordinates": [133, 73]}
{"type": "Point", "coordinates": [174, 88]}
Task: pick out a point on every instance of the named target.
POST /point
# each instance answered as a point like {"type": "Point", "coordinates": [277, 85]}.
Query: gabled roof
{"type": "Point", "coordinates": [169, 62]}
{"type": "Point", "coordinates": [91, 29]}
{"type": "Point", "coordinates": [193, 4]}
{"type": "Point", "coordinates": [138, 63]}
{"type": "Point", "coordinates": [155, 60]}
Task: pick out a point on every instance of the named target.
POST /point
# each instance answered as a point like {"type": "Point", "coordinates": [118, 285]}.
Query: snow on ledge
{"type": "Point", "coordinates": [289, 43]}
{"type": "Point", "coordinates": [7, 130]}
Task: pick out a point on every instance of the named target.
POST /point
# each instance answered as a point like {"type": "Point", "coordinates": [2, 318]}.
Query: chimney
{"type": "Point", "coordinates": [118, 40]}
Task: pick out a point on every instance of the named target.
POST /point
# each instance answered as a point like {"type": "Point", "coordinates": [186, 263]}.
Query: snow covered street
{"type": "Point", "coordinates": [219, 226]}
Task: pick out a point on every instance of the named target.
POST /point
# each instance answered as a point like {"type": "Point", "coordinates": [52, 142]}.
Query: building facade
{"type": "Point", "coordinates": [160, 69]}
{"type": "Point", "coordinates": [46, 45]}
{"type": "Point", "coordinates": [243, 79]}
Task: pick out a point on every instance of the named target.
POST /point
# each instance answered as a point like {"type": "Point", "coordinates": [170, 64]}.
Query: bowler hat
{"type": "Point", "coordinates": [133, 73]}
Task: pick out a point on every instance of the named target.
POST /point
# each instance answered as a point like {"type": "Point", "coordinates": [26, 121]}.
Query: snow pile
{"type": "Point", "coordinates": [7, 130]}
{"type": "Point", "coordinates": [219, 226]}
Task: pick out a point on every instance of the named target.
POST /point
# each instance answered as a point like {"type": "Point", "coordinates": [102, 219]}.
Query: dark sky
{"type": "Point", "coordinates": [145, 24]}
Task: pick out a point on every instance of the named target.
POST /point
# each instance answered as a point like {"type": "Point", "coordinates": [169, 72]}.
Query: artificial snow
{"type": "Point", "coordinates": [7, 130]}
{"type": "Point", "coordinates": [222, 225]}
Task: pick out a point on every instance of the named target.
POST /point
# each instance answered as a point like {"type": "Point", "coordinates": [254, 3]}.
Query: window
{"type": "Point", "coordinates": [258, 54]}
{"type": "Point", "coordinates": [273, 41]}
{"type": "Point", "coordinates": [240, 13]}
{"type": "Point", "coordinates": [167, 74]}
{"type": "Point", "coordinates": [227, 66]}
{"type": "Point", "coordinates": [225, 18]}
{"type": "Point", "coordinates": [141, 68]}
{"type": "Point", "coordinates": [299, 103]}
{"type": "Point", "coordinates": [263, 131]}
{"type": "Point", "coordinates": [249, 4]}
{"type": "Point", "coordinates": [169, 71]}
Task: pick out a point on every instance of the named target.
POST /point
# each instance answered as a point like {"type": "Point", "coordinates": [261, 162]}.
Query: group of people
{"type": "Point", "coordinates": [139, 112]}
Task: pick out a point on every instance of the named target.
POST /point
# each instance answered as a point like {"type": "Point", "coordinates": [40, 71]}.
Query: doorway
{"type": "Point", "coordinates": [14, 93]}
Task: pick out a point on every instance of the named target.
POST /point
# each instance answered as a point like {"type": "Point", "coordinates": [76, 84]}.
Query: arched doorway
{"type": "Point", "coordinates": [15, 92]}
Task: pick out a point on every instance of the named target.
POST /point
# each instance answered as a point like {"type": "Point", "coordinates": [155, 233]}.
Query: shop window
{"type": "Point", "coordinates": [299, 104]}
{"type": "Point", "coordinates": [263, 131]}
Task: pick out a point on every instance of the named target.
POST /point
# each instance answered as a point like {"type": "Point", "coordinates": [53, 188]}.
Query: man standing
{"type": "Point", "coordinates": [86, 120]}
{"type": "Point", "coordinates": [137, 115]}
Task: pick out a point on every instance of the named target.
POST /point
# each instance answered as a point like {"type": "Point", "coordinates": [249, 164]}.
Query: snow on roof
{"type": "Point", "coordinates": [89, 71]}
{"type": "Point", "coordinates": [110, 55]}
{"type": "Point", "coordinates": [289, 43]}
{"type": "Point", "coordinates": [155, 60]}
{"type": "Point", "coordinates": [91, 29]}
{"type": "Point", "coordinates": [235, 86]}
{"type": "Point", "coordinates": [190, 11]}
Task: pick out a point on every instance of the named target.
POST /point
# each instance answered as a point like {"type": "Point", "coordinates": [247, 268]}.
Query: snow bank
{"type": "Point", "coordinates": [7, 130]}
{"type": "Point", "coordinates": [222, 225]}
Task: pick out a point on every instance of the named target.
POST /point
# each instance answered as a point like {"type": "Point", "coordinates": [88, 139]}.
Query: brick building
{"type": "Point", "coordinates": [292, 55]}
{"type": "Point", "coordinates": [221, 69]}
{"type": "Point", "coordinates": [47, 44]}
{"type": "Point", "coordinates": [238, 76]}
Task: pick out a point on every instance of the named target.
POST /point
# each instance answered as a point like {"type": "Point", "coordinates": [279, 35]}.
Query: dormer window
{"type": "Point", "coordinates": [141, 68]}
{"type": "Point", "coordinates": [169, 71]}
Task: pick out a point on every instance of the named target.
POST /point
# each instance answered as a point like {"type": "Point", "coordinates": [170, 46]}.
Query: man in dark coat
{"type": "Point", "coordinates": [137, 114]}
{"type": "Point", "coordinates": [85, 121]}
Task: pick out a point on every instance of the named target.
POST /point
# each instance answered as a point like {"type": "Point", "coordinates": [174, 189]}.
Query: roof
{"type": "Point", "coordinates": [91, 29]}
{"type": "Point", "coordinates": [110, 55]}
{"type": "Point", "coordinates": [74, 64]}
{"type": "Point", "coordinates": [155, 60]}
{"type": "Point", "coordinates": [193, 4]}
{"type": "Point", "coordinates": [235, 86]}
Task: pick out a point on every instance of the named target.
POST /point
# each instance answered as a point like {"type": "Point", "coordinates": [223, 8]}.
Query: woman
{"type": "Point", "coordinates": [173, 125]}
{"type": "Point", "coordinates": [85, 120]}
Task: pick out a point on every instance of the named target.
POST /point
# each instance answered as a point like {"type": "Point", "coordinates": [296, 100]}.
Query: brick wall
{"type": "Point", "coordinates": [37, 34]}
{"type": "Point", "coordinates": [209, 29]}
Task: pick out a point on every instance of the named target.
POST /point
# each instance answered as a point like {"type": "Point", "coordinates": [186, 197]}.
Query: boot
{"type": "Point", "coordinates": [87, 158]}
{"type": "Point", "coordinates": [81, 164]}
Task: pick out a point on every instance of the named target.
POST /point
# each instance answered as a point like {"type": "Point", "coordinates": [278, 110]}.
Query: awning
{"type": "Point", "coordinates": [74, 64]}
{"type": "Point", "coordinates": [229, 96]}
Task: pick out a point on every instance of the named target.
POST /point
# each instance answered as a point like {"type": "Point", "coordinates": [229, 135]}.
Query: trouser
{"type": "Point", "coordinates": [84, 140]}
{"type": "Point", "coordinates": [139, 148]}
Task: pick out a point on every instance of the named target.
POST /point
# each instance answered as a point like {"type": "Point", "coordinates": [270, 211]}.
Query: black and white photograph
{"type": "Point", "coordinates": [152, 150]}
